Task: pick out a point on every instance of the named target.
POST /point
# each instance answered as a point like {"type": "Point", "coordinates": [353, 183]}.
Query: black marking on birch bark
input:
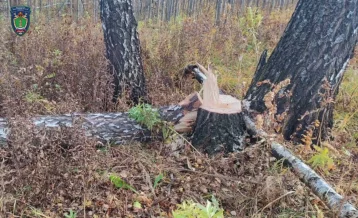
{"type": "Point", "coordinates": [114, 128]}
{"type": "Point", "coordinates": [215, 132]}
{"type": "Point", "coordinates": [123, 48]}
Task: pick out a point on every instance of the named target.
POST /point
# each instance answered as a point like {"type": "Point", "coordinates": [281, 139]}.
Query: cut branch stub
{"type": "Point", "coordinates": [219, 125]}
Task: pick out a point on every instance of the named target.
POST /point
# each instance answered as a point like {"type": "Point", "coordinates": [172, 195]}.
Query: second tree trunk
{"type": "Point", "coordinates": [311, 58]}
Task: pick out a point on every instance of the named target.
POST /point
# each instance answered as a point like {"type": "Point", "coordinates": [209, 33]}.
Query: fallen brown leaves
{"type": "Point", "coordinates": [54, 171]}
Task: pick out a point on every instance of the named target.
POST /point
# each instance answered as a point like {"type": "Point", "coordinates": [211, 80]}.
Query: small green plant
{"type": "Point", "coordinates": [71, 214]}
{"type": "Point", "coordinates": [278, 167]}
{"type": "Point", "coordinates": [157, 180]}
{"type": "Point", "coordinates": [32, 97]}
{"type": "Point", "coordinates": [167, 130]}
{"type": "Point", "coordinates": [37, 212]}
{"type": "Point", "coordinates": [290, 213]}
{"type": "Point", "coordinates": [119, 183]}
{"type": "Point", "coordinates": [56, 61]}
{"type": "Point", "coordinates": [57, 52]}
{"type": "Point", "coordinates": [137, 205]}
{"type": "Point", "coordinates": [189, 209]}
{"type": "Point", "coordinates": [35, 97]}
{"type": "Point", "coordinates": [145, 115]}
{"type": "Point", "coordinates": [150, 118]}
{"type": "Point", "coordinates": [322, 160]}
{"type": "Point", "coordinates": [50, 76]}
{"type": "Point", "coordinates": [355, 136]}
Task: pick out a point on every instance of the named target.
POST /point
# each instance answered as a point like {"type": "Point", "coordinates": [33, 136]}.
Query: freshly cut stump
{"type": "Point", "coordinates": [219, 126]}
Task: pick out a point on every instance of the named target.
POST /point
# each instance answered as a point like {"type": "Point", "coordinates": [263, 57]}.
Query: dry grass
{"type": "Point", "coordinates": [61, 170]}
{"type": "Point", "coordinates": [50, 72]}
{"type": "Point", "coordinates": [47, 173]}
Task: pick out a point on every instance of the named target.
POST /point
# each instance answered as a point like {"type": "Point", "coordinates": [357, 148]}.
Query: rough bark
{"type": "Point", "coordinates": [113, 128]}
{"type": "Point", "coordinates": [316, 183]}
{"type": "Point", "coordinates": [220, 125]}
{"type": "Point", "coordinates": [313, 54]}
{"type": "Point", "coordinates": [123, 48]}
{"type": "Point", "coordinates": [216, 132]}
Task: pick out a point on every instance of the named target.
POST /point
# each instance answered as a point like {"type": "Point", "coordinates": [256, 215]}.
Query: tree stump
{"type": "Point", "coordinates": [220, 125]}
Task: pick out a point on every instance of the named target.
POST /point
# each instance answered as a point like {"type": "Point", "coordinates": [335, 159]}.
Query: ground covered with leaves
{"type": "Point", "coordinates": [48, 174]}
{"type": "Point", "coordinates": [62, 173]}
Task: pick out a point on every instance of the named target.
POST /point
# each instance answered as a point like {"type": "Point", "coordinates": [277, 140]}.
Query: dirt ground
{"type": "Point", "coordinates": [48, 173]}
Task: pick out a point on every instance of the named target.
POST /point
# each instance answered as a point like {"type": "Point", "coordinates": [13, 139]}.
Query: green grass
{"type": "Point", "coordinates": [189, 209]}
{"type": "Point", "coordinates": [346, 114]}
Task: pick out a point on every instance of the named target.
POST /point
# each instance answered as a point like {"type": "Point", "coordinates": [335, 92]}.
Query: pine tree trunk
{"type": "Point", "coordinates": [123, 48]}
{"type": "Point", "coordinates": [312, 56]}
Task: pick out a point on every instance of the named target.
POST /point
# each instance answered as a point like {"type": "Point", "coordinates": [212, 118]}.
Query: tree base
{"type": "Point", "coordinates": [217, 132]}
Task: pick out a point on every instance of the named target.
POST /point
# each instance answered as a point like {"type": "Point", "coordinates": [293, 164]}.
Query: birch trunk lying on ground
{"type": "Point", "coordinates": [316, 183]}
{"type": "Point", "coordinates": [116, 128]}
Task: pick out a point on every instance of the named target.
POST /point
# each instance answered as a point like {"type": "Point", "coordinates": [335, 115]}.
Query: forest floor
{"type": "Point", "coordinates": [49, 174]}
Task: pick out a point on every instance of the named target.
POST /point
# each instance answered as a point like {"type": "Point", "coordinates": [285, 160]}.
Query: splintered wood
{"type": "Point", "coordinates": [212, 101]}
{"type": "Point", "coordinates": [190, 107]}
{"type": "Point", "coordinates": [219, 126]}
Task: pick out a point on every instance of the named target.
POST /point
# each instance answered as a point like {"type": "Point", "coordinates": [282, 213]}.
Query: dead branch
{"type": "Point", "coordinates": [316, 183]}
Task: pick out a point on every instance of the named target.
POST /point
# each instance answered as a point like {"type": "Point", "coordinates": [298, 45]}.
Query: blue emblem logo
{"type": "Point", "coordinates": [20, 19]}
